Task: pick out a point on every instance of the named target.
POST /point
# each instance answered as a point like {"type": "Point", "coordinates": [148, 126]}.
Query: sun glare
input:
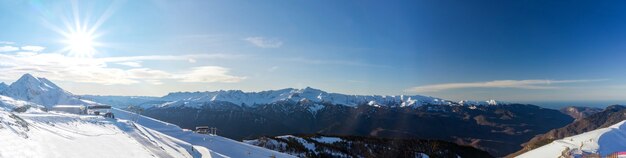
{"type": "Point", "coordinates": [80, 44]}
{"type": "Point", "coordinates": [79, 36]}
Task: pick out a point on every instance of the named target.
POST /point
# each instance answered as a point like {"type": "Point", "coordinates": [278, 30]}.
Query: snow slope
{"type": "Point", "coordinates": [602, 141]}
{"type": "Point", "coordinates": [43, 134]}
{"type": "Point", "coordinates": [8, 103]}
{"type": "Point", "coordinates": [219, 146]}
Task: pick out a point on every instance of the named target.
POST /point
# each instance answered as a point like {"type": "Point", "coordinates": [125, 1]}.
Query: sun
{"type": "Point", "coordinates": [79, 36]}
{"type": "Point", "coordinates": [80, 43]}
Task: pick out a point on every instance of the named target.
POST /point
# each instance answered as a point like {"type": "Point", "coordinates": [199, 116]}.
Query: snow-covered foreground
{"type": "Point", "coordinates": [217, 146]}
{"type": "Point", "coordinates": [602, 141]}
{"type": "Point", "coordinates": [42, 134]}
{"type": "Point", "coordinates": [49, 134]}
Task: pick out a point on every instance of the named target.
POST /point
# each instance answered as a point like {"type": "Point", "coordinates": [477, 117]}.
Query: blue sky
{"type": "Point", "coordinates": [505, 50]}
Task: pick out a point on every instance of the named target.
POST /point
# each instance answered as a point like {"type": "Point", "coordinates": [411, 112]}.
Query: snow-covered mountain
{"type": "Point", "coordinates": [487, 102]}
{"type": "Point", "coordinates": [602, 142]}
{"type": "Point", "coordinates": [290, 94]}
{"type": "Point", "coordinates": [252, 99]}
{"type": "Point", "coordinates": [580, 112]}
{"type": "Point", "coordinates": [3, 86]}
{"type": "Point", "coordinates": [272, 104]}
{"type": "Point", "coordinates": [40, 91]}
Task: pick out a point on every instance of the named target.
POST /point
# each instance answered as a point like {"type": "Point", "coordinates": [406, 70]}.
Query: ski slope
{"type": "Point", "coordinates": [602, 141]}
{"type": "Point", "coordinates": [217, 146]}
{"type": "Point", "coordinates": [47, 134]}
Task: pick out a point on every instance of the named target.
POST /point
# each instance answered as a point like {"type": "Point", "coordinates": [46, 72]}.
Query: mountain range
{"type": "Point", "coordinates": [496, 127]}
{"type": "Point", "coordinates": [578, 112]}
{"type": "Point", "coordinates": [254, 99]}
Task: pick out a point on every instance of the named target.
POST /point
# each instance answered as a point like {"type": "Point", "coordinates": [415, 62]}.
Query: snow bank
{"type": "Point", "coordinates": [602, 141]}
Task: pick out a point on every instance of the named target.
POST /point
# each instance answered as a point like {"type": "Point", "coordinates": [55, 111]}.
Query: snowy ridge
{"type": "Point", "coordinates": [603, 141]}
{"type": "Point", "coordinates": [290, 94]}
{"type": "Point", "coordinates": [483, 103]}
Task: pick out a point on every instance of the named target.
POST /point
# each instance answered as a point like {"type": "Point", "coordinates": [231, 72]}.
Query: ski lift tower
{"type": "Point", "coordinates": [214, 131]}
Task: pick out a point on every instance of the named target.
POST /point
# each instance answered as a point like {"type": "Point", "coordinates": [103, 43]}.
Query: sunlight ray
{"type": "Point", "coordinates": [104, 17]}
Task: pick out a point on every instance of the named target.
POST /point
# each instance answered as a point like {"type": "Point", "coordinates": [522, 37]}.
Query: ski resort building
{"type": "Point", "coordinates": [202, 129]}
{"type": "Point", "coordinates": [72, 109]}
{"type": "Point", "coordinates": [82, 110]}
{"type": "Point", "coordinates": [98, 109]}
{"type": "Point", "coordinates": [206, 130]}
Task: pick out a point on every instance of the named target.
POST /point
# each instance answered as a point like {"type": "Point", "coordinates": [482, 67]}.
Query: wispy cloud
{"type": "Point", "coordinates": [357, 81]}
{"type": "Point", "coordinates": [146, 73]}
{"type": "Point", "coordinates": [333, 62]}
{"type": "Point", "coordinates": [25, 53]}
{"type": "Point", "coordinates": [33, 48]}
{"type": "Point", "coordinates": [264, 42]}
{"type": "Point", "coordinates": [130, 64]}
{"type": "Point", "coordinates": [272, 69]}
{"type": "Point", "coordinates": [8, 48]}
{"type": "Point", "coordinates": [519, 84]}
{"type": "Point", "coordinates": [209, 74]}
{"type": "Point", "coordinates": [96, 70]}
{"type": "Point", "coordinates": [6, 42]}
{"type": "Point", "coordinates": [187, 57]}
